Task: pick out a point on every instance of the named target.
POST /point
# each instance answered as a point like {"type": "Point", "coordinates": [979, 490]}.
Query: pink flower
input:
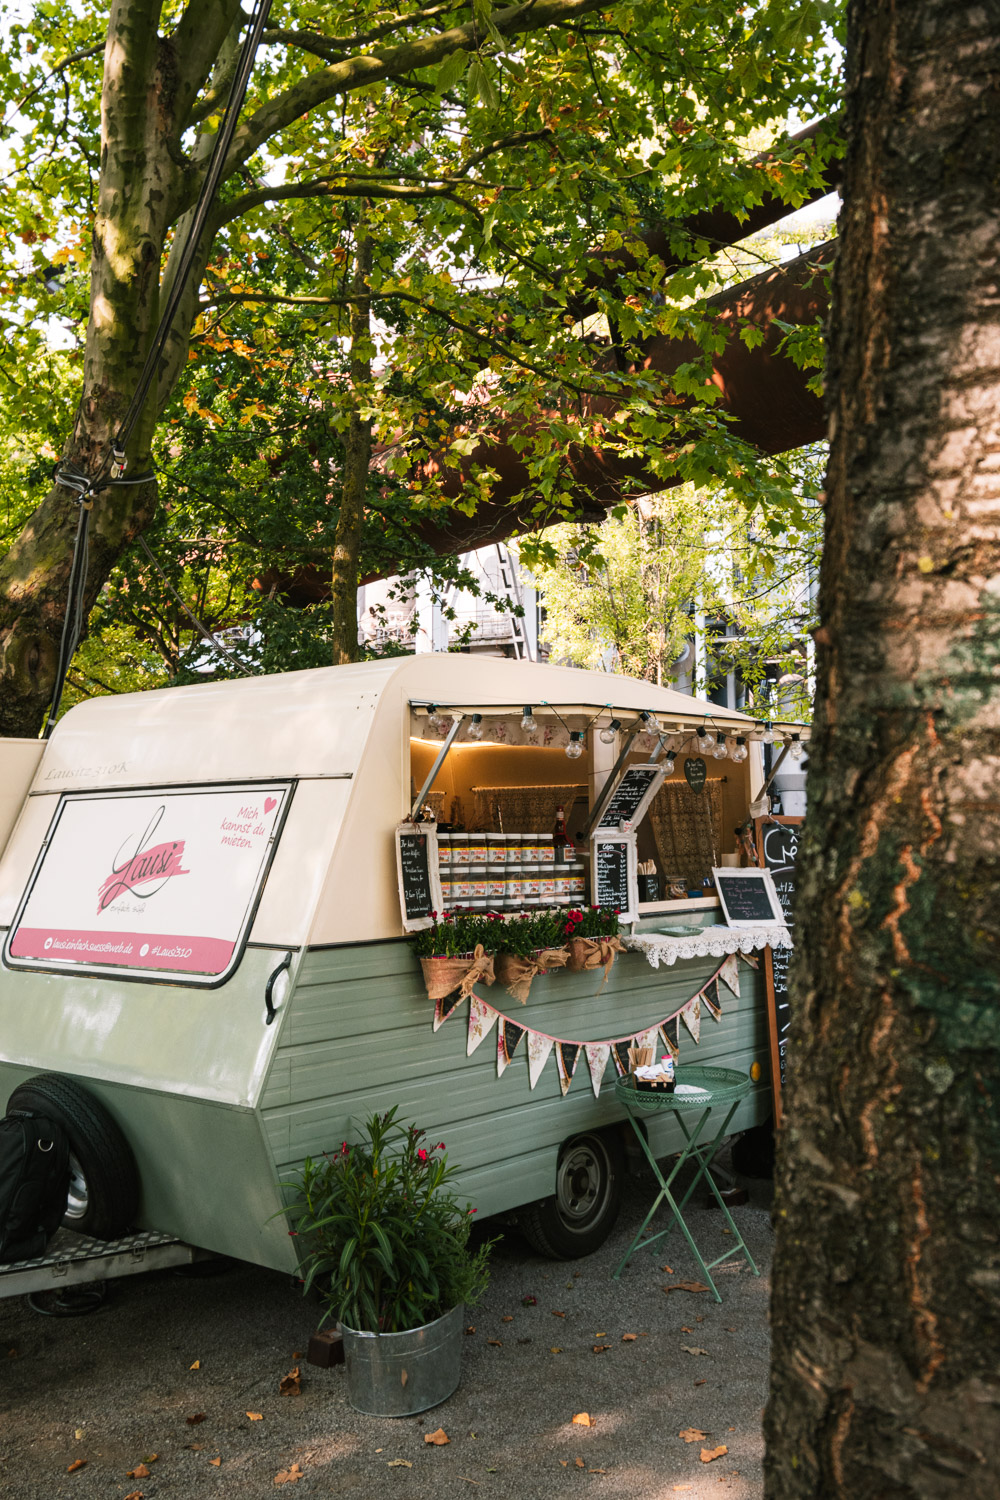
{"type": "Point", "coordinates": [439, 1146]}
{"type": "Point", "coordinates": [421, 1155]}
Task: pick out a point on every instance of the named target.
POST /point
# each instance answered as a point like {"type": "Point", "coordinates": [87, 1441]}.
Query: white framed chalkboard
{"type": "Point", "coordinates": [778, 845]}
{"type": "Point", "coordinates": [418, 875]}
{"type": "Point", "coordinates": [614, 873]}
{"type": "Point", "coordinates": [748, 898]}
{"type": "Point", "coordinates": [631, 797]}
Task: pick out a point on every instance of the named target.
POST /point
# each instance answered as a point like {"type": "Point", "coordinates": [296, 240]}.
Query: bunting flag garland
{"type": "Point", "coordinates": [481, 1020]}
{"type": "Point", "coordinates": [539, 1047]}
{"type": "Point", "coordinates": [730, 974]}
{"type": "Point", "coordinates": [668, 1031]}
{"type": "Point", "coordinates": [567, 1056]}
{"type": "Point", "coordinates": [444, 1008]}
{"type": "Point", "coordinates": [691, 1016]}
{"type": "Point", "coordinates": [509, 1036]}
{"type": "Point", "coordinates": [483, 1017]}
{"type": "Point", "coordinates": [597, 1060]}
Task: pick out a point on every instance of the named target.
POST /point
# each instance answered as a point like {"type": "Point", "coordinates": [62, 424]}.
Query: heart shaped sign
{"type": "Point", "coordinates": [270, 802]}
{"type": "Point", "coordinates": [695, 772]}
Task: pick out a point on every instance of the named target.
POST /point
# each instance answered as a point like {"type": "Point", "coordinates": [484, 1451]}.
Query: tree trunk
{"type": "Point", "coordinates": [886, 1308]}
{"type": "Point", "coordinates": [357, 460]}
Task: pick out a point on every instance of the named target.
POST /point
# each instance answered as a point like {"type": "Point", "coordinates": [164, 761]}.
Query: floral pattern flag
{"type": "Point", "coordinates": [597, 1060]}
{"type": "Point", "coordinates": [482, 1019]}
{"type": "Point", "coordinates": [691, 1016]}
{"type": "Point", "coordinates": [539, 1047]}
{"type": "Point", "coordinates": [730, 974]}
{"type": "Point", "coordinates": [509, 1036]}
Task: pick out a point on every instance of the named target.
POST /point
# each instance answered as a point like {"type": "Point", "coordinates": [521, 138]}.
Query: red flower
{"type": "Point", "coordinates": [439, 1146]}
{"type": "Point", "coordinates": [421, 1155]}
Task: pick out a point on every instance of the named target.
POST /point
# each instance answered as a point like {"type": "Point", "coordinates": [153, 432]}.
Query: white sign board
{"type": "Point", "coordinates": [151, 883]}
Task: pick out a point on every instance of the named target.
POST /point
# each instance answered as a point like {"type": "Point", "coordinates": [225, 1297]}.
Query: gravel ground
{"type": "Point", "coordinates": [117, 1387]}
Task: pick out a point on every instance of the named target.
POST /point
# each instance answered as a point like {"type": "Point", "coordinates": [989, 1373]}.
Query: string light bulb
{"type": "Point", "coordinates": [739, 751]}
{"type": "Point", "coordinates": [702, 734]}
{"type": "Point", "coordinates": [609, 731]}
{"type": "Point", "coordinates": [475, 729]}
{"type": "Point", "coordinates": [720, 749]}
{"type": "Point", "coordinates": [529, 723]}
{"type": "Point", "coordinates": [769, 736]}
{"type": "Point", "coordinates": [668, 764]}
{"type": "Point", "coordinates": [795, 747]}
{"type": "Point", "coordinates": [575, 747]}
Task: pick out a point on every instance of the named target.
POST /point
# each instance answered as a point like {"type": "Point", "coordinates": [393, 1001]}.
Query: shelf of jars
{"type": "Point", "coordinates": [512, 872]}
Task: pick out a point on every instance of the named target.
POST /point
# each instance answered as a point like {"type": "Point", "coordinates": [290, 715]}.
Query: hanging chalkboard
{"type": "Point", "coordinates": [613, 879]}
{"type": "Point", "coordinates": [748, 898]}
{"type": "Point", "coordinates": [632, 796]}
{"type": "Point", "coordinates": [778, 845]}
{"type": "Point", "coordinates": [695, 772]}
{"type": "Point", "coordinates": [417, 870]}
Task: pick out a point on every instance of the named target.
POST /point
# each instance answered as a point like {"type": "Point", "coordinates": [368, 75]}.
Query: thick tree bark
{"type": "Point", "coordinates": [357, 460]}
{"type": "Point", "coordinates": [886, 1310]}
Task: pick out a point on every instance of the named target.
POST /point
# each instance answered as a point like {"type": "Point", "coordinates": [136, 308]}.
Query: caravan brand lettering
{"type": "Point", "coordinates": [141, 868]}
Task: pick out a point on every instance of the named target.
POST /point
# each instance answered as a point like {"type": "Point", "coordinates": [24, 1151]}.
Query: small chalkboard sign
{"type": "Point", "coordinates": [631, 797]}
{"type": "Point", "coordinates": [778, 842]}
{"type": "Point", "coordinates": [417, 871]}
{"type": "Point", "coordinates": [695, 772]}
{"type": "Point", "coordinates": [748, 898]}
{"type": "Point", "coordinates": [614, 881]}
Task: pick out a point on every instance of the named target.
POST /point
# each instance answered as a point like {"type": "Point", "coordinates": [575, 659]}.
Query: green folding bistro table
{"type": "Point", "coordinates": [698, 1092]}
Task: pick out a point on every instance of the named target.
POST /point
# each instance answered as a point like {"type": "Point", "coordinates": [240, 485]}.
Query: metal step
{"type": "Point", "coordinates": [75, 1259]}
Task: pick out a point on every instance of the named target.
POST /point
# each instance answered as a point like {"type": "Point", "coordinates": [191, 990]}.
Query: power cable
{"type": "Point", "coordinates": [86, 487]}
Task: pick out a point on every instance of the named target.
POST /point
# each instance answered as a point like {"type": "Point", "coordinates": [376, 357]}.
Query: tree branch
{"type": "Point", "coordinates": [59, 66]}
{"type": "Point", "coordinates": [332, 48]}
{"type": "Point", "coordinates": [196, 41]}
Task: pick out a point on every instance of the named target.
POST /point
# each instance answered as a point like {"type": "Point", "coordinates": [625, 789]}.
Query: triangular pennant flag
{"type": "Point", "coordinates": [444, 1008]}
{"type": "Point", "coordinates": [751, 959]}
{"type": "Point", "coordinates": [713, 1001]}
{"type": "Point", "coordinates": [597, 1061]}
{"type": "Point", "coordinates": [668, 1031]}
{"type": "Point", "coordinates": [567, 1056]}
{"type": "Point", "coordinates": [508, 1039]}
{"type": "Point", "coordinates": [646, 1038]}
{"type": "Point", "coordinates": [691, 1016]}
{"type": "Point", "coordinates": [482, 1018]}
{"type": "Point", "coordinates": [619, 1056]}
{"type": "Point", "coordinates": [730, 974]}
{"type": "Point", "coordinates": [539, 1047]}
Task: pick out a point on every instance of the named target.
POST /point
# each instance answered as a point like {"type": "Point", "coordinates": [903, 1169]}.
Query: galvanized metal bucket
{"type": "Point", "coordinates": [400, 1374]}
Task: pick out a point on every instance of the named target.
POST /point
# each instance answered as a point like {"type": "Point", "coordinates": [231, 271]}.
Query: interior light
{"type": "Point", "coordinates": [575, 747]}
{"type": "Point", "coordinates": [720, 749]}
{"type": "Point", "coordinates": [529, 723]}
{"type": "Point", "coordinates": [668, 765]}
{"type": "Point", "coordinates": [607, 735]}
{"type": "Point", "coordinates": [739, 751]}
{"type": "Point", "coordinates": [475, 729]}
{"type": "Point", "coordinates": [796, 747]}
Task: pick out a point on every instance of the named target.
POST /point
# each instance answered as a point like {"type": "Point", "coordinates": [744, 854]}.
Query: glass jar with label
{"type": "Point", "coordinates": [577, 882]}
{"type": "Point", "coordinates": [531, 855]}
{"type": "Point", "coordinates": [546, 850]}
{"type": "Point", "coordinates": [460, 848]}
{"type": "Point", "coordinates": [515, 848]}
{"type": "Point", "coordinates": [478, 889]}
{"type": "Point", "coordinates": [496, 848]}
{"type": "Point", "coordinates": [560, 881]}
{"type": "Point", "coordinates": [496, 885]}
{"type": "Point", "coordinates": [529, 884]}
{"type": "Point", "coordinates": [447, 888]}
{"type": "Point", "coordinates": [477, 848]}
{"type": "Point", "coordinates": [461, 885]}
{"type": "Point", "coordinates": [514, 888]}
{"type": "Point", "coordinates": [546, 885]}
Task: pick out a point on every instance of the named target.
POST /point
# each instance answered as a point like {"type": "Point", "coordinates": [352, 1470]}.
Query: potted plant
{"type": "Point", "coordinates": [527, 945]}
{"type": "Point", "coordinates": [592, 938]}
{"type": "Point", "coordinates": [453, 952]}
{"type": "Point", "coordinates": [386, 1243]}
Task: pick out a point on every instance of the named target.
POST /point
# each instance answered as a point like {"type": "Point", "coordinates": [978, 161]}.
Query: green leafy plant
{"type": "Point", "coordinates": [594, 922]}
{"type": "Point", "coordinates": [386, 1241]}
{"type": "Point", "coordinates": [455, 932]}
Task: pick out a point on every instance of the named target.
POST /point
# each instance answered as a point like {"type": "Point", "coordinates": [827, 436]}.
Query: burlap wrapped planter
{"type": "Point", "coordinates": [593, 953]}
{"type": "Point", "coordinates": [443, 974]}
{"type": "Point", "coordinates": [516, 971]}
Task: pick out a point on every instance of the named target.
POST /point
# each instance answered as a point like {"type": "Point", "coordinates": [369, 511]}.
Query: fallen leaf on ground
{"type": "Point", "coordinates": [139, 1472]}
{"type": "Point", "coordinates": [580, 1463]}
{"type": "Point", "coordinates": [290, 1384]}
{"type": "Point", "coordinates": [558, 1314]}
{"type": "Point", "coordinates": [686, 1329]}
{"type": "Point", "coordinates": [399, 1463]}
{"type": "Point", "coordinates": [681, 1487]}
{"type": "Point", "coordinates": [194, 1447]}
{"type": "Point", "coordinates": [291, 1475]}
{"type": "Point", "coordinates": [134, 1495]}
{"type": "Point", "coordinates": [564, 1462]}
{"type": "Point", "coordinates": [506, 1318]}
{"type": "Point", "coordinates": [700, 1382]}
{"type": "Point", "coordinates": [78, 1434]}
{"type": "Point", "coordinates": [81, 1463]}
{"type": "Point", "coordinates": [215, 1462]}
{"type": "Point", "coordinates": [471, 1328]}
{"type": "Point", "coordinates": [692, 1349]}
{"type": "Point", "coordinates": [692, 1435]}
{"type": "Point", "coordinates": [192, 1421]}
{"type": "Point", "coordinates": [669, 1270]}
{"type": "Point", "coordinates": [700, 1318]}
{"type": "Point", "coordinates": [438, 1438]}
{"type": "Point", "coordinates": [583, 1419]}
{"type": "Point", "coordinates": [629, 1338]}
{"type": "Point", "coordinates": [600, 1335]}
{"type": "Point", "coordinates": [255, 1416]}
{"type": "Point", "coordinates": [597, 1471]}
{"type": "Point", "coordinates": [298, 1354]}
{"type": "Point", "coordinates": [555, 1350]}
{"type": "Point", "coordinates": [601, 1348]}
{"type": "Point", "coordinates": [196, 1365]}
{"type": "Point", "coordinates": [730, 1330]}
{"type": "Point", "coordinates": [495, 1343]}
{"type": "Point", "coordinates": [685, 1286]}
{"type": "Point", "coordinates": [707, 1454]}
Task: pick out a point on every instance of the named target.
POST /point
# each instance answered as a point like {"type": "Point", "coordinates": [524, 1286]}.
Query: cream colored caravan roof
{"type": "Point", "coordinates": [340, 732]}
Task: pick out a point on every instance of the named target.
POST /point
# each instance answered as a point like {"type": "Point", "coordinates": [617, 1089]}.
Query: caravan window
{"type": "Point", "coordinates": [153, 883]}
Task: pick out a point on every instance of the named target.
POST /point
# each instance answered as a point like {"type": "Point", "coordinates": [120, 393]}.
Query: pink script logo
{"type": "Point", "coordinates": [141, 868]}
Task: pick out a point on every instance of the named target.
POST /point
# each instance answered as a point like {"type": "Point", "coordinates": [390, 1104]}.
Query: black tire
{"type": "Point", "coordinates": [582, 1213]}
{"type": "Point", "coordinates": [104, 1180]}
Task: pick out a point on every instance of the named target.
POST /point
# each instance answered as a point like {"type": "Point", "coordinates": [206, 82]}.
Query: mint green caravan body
{"type": "Point", "coordinates": [308, 1011]}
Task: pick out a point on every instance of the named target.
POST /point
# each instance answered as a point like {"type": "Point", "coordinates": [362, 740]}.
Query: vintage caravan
{"type": "Point", "coordinates": [207, 966]}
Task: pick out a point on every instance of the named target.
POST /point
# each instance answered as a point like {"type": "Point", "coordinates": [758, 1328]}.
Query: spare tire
{"type": "Point", "coordinates": [104, 1179]}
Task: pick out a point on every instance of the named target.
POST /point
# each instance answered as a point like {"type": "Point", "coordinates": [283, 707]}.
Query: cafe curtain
{"type": "Point", "coordinates": [687, 829]}
{"type": "Point", "coordinates": [522, 809]}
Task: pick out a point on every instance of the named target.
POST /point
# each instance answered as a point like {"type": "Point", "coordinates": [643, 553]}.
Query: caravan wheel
{"type": "Point", "coordinates": [104, 1181]}
{"type": "Point", "coordinates": [582, 1213]}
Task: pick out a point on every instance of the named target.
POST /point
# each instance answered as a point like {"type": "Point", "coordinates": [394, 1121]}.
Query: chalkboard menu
{"type": "Point", "coordinates": [417, 870]}
{"type": "Point", "coordinates": [613, 878]}
{"type": "Point", "coordinates": [632, 796]}
{"type": "Point", "coordinates": [748, 897]}
{"type": "Point", "coordinates": [778, 845]}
